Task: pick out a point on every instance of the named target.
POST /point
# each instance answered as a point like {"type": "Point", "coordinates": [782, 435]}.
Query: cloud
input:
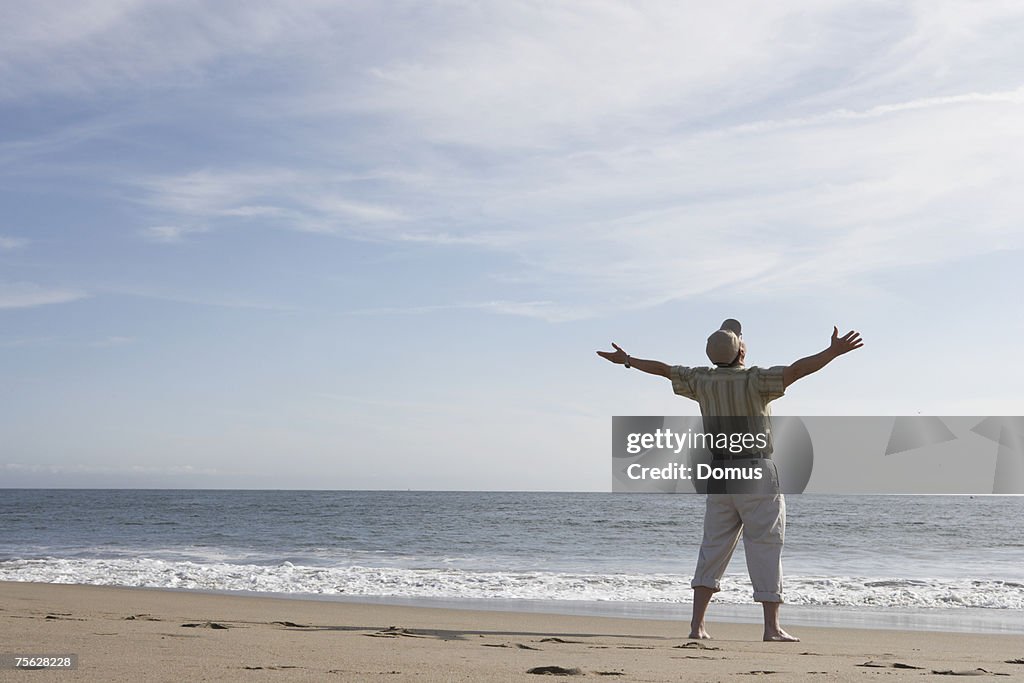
{"type": "Point", "coordinates": [604, 155]}
{"type": "Point", "coordinates": [526, 75]}
{"type": "Point", "coordinates": [761, 205]}
{"type": "Point", "coordinates": [202, 297]}
{"type": "Point", "coordinates": [7, 243]}
{"type": "Point", "coordinates": [12, 242]}
{"type": "Point", "coordinates": [168, 234]}
{"type": "Point", "coordinates": [773, 206]}
{"type": "Point", "coordinates": [105, 342]}
{"type": "Point", "coordinates": [543, 310]}
{"type": "Point", "coordinates": [17, 342]}
{"type": "Point", "coordinates": [1015, 96]}
{"type": "Point", "coordinates": [28, 295]}
{"type": "Point", "coordinates": [296, 200]}
{"type": "Point", "coordinates": [87, 47]}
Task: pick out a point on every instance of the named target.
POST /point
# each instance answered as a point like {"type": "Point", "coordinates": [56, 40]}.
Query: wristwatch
{"type": "Point", "coordinates": [627, 362]}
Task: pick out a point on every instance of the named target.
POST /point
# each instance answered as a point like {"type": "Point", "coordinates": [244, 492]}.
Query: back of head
{"type": "Point", "coordinates": [723, 347]}
{"type": "Point", "coordinates": [725, 343]}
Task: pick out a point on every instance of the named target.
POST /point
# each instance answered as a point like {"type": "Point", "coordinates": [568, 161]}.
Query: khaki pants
{"type": "Point", "coordinates": [761, 518]}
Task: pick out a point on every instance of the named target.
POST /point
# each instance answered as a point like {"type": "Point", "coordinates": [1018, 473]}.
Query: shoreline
{"type": "Point", "coordinates": [158, 634]}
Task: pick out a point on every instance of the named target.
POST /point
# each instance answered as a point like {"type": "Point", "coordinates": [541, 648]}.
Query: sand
{"type": "Point", "coordinates": [133, 634]}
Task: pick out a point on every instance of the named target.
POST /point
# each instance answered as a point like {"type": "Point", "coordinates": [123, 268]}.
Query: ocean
{"type": "Point", "coordinates": [943, 562]}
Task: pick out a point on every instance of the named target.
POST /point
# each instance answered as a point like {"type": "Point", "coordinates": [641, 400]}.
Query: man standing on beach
{"type": "Point", "coordinates": [729, 389]}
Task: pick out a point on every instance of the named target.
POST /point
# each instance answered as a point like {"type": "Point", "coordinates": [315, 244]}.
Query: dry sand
{"type": "Point", "coordinates": [131, 634]}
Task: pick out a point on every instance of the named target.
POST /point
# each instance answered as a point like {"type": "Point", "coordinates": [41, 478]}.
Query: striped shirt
{"type": "Point", "coordinates": [725, 394]}
{"type": "Point", "coordinates": [735, 391]}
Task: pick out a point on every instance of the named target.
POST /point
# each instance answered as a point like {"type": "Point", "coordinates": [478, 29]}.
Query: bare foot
{"type": "Point", "coordinates": [699, 634]}
{"type": "Point", "coordinates": [780, 636]}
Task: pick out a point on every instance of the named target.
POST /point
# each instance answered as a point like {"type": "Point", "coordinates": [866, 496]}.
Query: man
{"type": "Point", "coordinates": [729, 389]}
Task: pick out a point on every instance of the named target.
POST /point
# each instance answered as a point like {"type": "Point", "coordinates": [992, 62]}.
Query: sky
{"type": "Point", "coordinates": [371, 245]}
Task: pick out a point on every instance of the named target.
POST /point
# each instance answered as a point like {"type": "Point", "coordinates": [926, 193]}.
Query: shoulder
{"type": "Point", "coordinates": [770, 382]}
{"type": "Point", "coordinates": [766, 372]}
{"type": "Point", "coordinates": [688, 372]}
{"type": "Point", "coordinates": [686, 380]}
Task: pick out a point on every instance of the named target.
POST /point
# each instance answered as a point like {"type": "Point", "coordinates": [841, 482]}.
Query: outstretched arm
{"type": "Point", "coordinates": [839, 345]}
{"type": "Point", "coordinates": [620, 357]}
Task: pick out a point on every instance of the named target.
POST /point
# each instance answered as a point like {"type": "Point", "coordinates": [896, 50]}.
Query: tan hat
{"type": "Point", "coordinates": [724, 344]}
{"type": "Point", "coordinates": [732, 324]}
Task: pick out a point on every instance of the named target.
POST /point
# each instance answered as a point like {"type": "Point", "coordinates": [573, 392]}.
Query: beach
{"type": "Point", "coordinates": [480, 586]}
{"type": "Point", "coordinates": [132, 634]}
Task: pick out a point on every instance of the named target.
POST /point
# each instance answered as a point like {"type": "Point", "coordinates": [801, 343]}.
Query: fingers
{"type": "Point", "coordinates": [852, 340]}
{"type": "Point", "coordinates": [852, 335]}
{"type": "Point", "coordinates": [616, 356]}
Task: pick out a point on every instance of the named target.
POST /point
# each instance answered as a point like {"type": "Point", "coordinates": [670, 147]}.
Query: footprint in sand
{"type": "Point", "coordinates": [270, 668]}
{"type": "Point", "coordinates": [518, 645]}
{"type": "Point", "coordinates": [206, 624]}
{"type": "Point", "coordinates": [554, 671]}
{"type": "Point", "coordinates": [696, 645]}
{"type": "Point", "coordinates": [889, 665]}
{"type": "Point", "coordinates": [394, 632]}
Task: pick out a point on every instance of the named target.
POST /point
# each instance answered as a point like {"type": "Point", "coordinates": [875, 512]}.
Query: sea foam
{"type": "Point", "coordinates": [398, 582]}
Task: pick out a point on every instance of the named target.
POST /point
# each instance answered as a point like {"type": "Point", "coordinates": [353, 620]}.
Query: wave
{"type": "Point", "coordinates": [445, 583]}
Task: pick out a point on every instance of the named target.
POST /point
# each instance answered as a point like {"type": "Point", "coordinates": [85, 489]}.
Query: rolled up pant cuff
{"type": "Point", "coordinates": [710, 583]}
{"type": "Point", "coordinates": [765, 596]}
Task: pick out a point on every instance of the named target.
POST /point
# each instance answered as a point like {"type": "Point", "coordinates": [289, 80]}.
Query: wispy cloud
{"type": "Point", "coordinates": [611, 155]}
{"type": "Point", "coordinates": [544, 310]}
{"type": "Point", "coordinates": [28, 295]}
{"type": "Point", "coordinates": [12, 242]}
{"type": "Point", "coordinates": [295, 200]}
{"type": "Point", "coordinates": [103, 46]}
{"type": "Point", "coordinates": [202, 298]}
{"type": "Point", "coordinates": [20, 342]}
{"type": "Point", "coordinates": [1015, 96]}
{"type": "Point", "coordinates": [70, 342]}
{"type": "Point", "coordinates": [168, 234]}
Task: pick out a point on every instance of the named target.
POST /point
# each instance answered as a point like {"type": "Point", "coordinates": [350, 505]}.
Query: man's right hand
{"type": "Point", "coordinates": [839, 345]}
{"type": "Point", "coordinates": [618, 356]}
{"type": "Point", "coordinates": [848, 342]}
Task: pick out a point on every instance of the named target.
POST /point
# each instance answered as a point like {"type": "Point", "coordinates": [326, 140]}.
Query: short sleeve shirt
{"type": "Point", "coordinates": [730, 391]}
